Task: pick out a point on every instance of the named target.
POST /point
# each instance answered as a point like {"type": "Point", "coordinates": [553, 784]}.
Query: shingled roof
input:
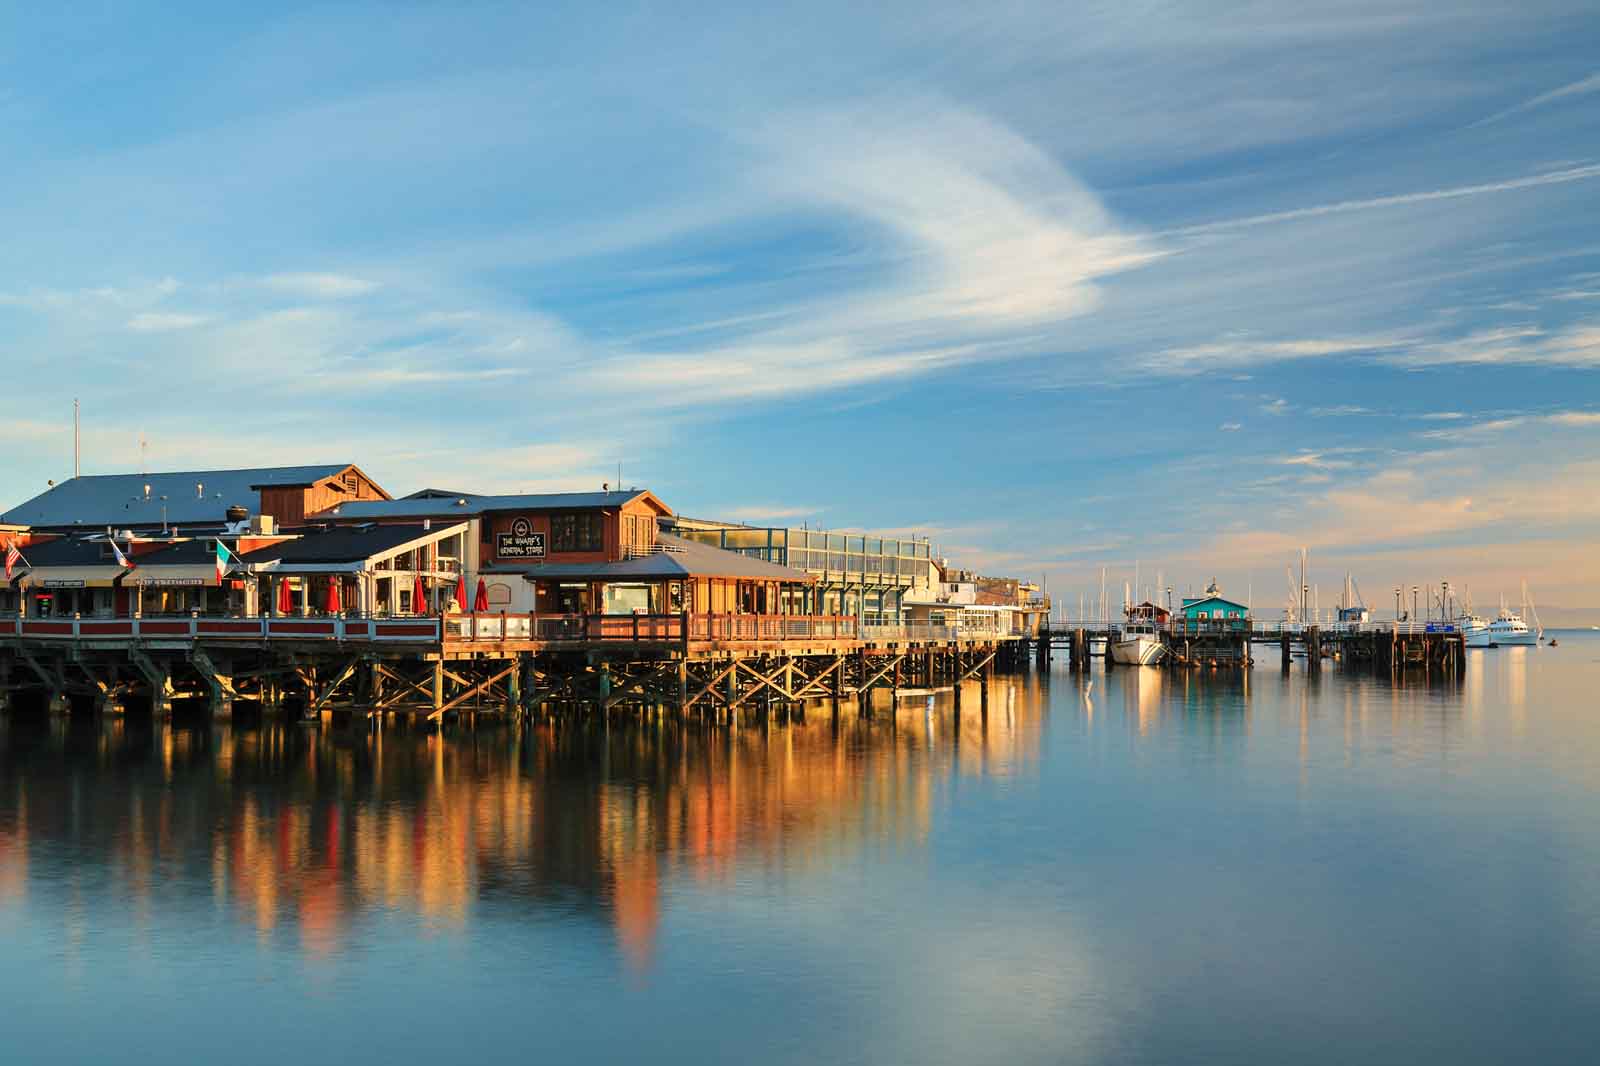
{"type": "Point", "coordinates": [192, 496]}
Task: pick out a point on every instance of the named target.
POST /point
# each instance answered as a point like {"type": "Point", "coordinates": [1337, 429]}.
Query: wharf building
{"type": "Point", "coordinates": [313, 576]}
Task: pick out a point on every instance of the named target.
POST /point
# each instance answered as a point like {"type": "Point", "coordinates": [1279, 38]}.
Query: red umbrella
{"type": "Point", "coordinates": [461, 591]}
{"type": "Point", "coordinates": [333, 595]}
{"type": "Point", "coordinates": [480, 602]}
{"type": "Point", "coordinates": [419, 598]}
{"type": "Point", "coordinates": [285, 598]}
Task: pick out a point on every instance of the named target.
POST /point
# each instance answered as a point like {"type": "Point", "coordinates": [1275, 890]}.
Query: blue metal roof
{"type": "Point", "coordinates": [437, 507]}
{"type": "Point", "coordinates": [103, 500]}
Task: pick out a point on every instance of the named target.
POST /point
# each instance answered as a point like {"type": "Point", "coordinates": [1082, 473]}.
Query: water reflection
{"type": "Point", "coordinates": [298, 832]}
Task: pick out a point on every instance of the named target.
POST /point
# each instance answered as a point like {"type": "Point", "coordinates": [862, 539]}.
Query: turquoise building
{"type": "Point", "coordinates": [1211, 608]}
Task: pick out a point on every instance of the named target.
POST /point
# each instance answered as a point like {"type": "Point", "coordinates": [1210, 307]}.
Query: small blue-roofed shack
{"type": "Point", "coordinates": [1212, 610]}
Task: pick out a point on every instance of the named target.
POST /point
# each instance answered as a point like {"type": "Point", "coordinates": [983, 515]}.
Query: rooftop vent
{"type": "Point", "coordinates": [236, 513]}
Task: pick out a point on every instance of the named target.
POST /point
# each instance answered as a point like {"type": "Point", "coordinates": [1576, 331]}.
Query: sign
{"type": "Point", "coordinates": [521, 543]}
{"type": "Point", "coordinates": [63, 583]}
{"type": "Point", "coordinates": [172, 582]}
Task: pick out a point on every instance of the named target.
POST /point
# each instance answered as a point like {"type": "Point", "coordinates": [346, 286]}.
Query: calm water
{"type": "Point", "coordinates": [1146, 869]}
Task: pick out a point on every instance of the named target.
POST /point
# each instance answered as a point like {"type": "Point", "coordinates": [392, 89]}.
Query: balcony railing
{"type": "Point", "coordinates": [419, 630]}
{"type": "Point", "coordinates": [498, 626]}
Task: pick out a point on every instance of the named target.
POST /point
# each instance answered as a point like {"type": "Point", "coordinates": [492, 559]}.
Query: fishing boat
{"type": "Point", "coordinates": [1474, 630]}
{"type": "Point", "coordinates": [1509, 628]}
{"type": "Point", "coordinates": [1138, 642]}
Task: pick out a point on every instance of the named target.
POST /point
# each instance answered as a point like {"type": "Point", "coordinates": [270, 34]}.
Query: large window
{"type": "Point", "coordinates": [581, 532]}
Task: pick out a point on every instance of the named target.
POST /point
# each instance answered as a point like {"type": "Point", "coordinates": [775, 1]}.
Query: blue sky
{"type": "Point", "coordinates": [1060, 286]}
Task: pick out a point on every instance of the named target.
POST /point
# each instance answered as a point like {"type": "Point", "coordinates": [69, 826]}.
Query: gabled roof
{"type": "Point", "coordinates": [65, 551]}
{"type": "Point", "coordinates": [468, 506]}
{"type": "Point", "coordinates": [681, 559]}
{"type": "Point", "coordinates": [192, 496]}
{"type": "Point", "coordinates": [1197, 601]}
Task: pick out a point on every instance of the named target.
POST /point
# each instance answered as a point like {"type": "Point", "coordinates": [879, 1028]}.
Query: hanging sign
{"type": "Point", "coordinates": [523, 542]}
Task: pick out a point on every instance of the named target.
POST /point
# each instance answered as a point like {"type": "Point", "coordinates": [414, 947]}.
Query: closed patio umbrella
{"type": "Point", "coordinates": [333, 595]}
{"type": "Point", "coordinates": [480, 602]}
{"type": "Point", "coordinates": [419, 596]}
{"type": "Point", "coordinates": [461, 591]}
{"type": "Point", "coordinates": [285, 598]}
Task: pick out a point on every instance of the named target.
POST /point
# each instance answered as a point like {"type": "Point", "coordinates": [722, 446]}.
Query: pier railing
{"type": "Point", "coordinates": [648, 628]}
{"type": "Point", "coordinates": [493, 626]}
{"type": "Point", "coordinates": [420, 630]}
{"type": "Point", "coordinates": [1258, 630]}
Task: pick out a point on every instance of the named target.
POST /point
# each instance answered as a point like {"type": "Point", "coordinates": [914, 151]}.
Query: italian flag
{"type": "Point", "coordinates": [223, 555]}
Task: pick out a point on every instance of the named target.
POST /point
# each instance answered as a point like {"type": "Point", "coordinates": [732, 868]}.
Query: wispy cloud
{"type": "Point", "coordinates": [1578, 346]}
{"type": "Point", "coordinates": [325, 286]}
{"type": "Point", "coordinates": [1231, 427]}
{"type": "Point", "coordinates": [1532, 181]}
{"type": "Point", "coordinates": [1577, 88]}
{"type": "Point", "coordinates": [162, 322]}
{"type": "Point", "coordinates": [1573, 419]}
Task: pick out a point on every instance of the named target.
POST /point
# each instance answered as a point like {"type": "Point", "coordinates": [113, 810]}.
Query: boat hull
{"type": "Point", "coordinates": [1137, 651]}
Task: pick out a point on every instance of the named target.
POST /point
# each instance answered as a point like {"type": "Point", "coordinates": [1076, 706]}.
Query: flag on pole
{"type": "Point", "coordinates": [223, 556]}
{"type": "Point", "coordinates": [12, 555]}
{"type": "Point", "coordinates": [122, 560]}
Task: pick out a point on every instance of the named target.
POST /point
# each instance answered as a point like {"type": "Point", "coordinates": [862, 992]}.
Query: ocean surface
{"type": "Point", "coordinates": [1138, 867]}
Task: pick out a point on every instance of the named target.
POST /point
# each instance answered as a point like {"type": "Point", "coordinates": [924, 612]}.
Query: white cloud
{"type": "Point", "coordinates": [1532, 181]}
{"type": "Point", "coordinates": [162, 322]}
{"type": "Point", "coordinates": [1231, 427]}
{"type": "Point", "coordinates": [1578, 346]}
{"type": "Point", "coordinates": [1577, 88]}
{"type": "Point", "coordinates": [1574, 419]}
{"type": "Point", "coordinates": [325, 286]}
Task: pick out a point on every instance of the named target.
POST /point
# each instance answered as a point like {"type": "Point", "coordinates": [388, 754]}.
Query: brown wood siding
{"type": "Point", "coordinates": [539, 522]}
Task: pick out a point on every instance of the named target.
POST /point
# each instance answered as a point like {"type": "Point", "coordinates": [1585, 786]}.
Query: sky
{"type": "Point", "coordinates": [1180, 286]}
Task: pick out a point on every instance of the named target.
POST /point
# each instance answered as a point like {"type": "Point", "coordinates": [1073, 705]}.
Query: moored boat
{"type": "Point", "coordinates": [1138, 642]}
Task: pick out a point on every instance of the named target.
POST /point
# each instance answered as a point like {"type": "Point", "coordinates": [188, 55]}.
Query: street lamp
{"type": "Point", "coordinates": [1414, 591]}
{"type": "Point", "coordinates": [1444, 601]}
{"type": "Point", "coordinates": [1397, 603]}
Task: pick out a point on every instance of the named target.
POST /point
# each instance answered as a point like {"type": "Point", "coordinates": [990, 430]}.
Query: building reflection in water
{"type": "Point", "coordinates": [299, 832]}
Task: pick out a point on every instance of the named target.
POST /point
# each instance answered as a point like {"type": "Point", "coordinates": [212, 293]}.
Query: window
{"type": "Point", "coordinates": [581, 532]}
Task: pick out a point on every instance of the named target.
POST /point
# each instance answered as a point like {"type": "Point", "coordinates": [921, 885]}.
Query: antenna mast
{"type": "Point", "coordinates": [76, 450]}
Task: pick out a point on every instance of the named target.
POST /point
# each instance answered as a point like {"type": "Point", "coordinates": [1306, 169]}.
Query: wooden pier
{"type": "Point", "coordinates": [1435, 648]}
{"type": "Point", "coordinates": [495, 664]}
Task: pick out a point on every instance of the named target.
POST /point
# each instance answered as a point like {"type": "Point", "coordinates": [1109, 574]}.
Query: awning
{"type": "Point", "coordinates": [71, 577]}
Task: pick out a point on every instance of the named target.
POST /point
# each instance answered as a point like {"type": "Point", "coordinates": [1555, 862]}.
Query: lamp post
{"type": "Point", "coordinates": [1444, 601]}
{"type": "Point", "coordinates": [1397, 603]}
{"type": "Point", "coordinates": [1414, 590]}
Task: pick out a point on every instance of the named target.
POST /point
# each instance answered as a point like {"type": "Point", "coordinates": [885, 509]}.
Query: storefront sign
{"type": "Point", "coordinates": [63, 583]}
{"type": "Point", "coordinates": [521, 543]}
{"type": "Point", "coordinates": [172, 582]}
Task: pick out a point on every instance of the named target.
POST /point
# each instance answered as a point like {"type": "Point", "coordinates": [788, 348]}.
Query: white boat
{"type": "Point", "coordinates": [1138, 645]}
{"type": "Point", "coordinates": [1138, 642]}
{"type": "Point", "coordinates": [1509, 630]}
{"type": "Point", "coordinates": [1474, 630]}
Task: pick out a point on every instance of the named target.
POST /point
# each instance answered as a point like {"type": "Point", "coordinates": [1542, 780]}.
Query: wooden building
{"type": "Point", "coordinates": [589, 553]}
{"type": "Point", "coordinates": [198, 500]}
